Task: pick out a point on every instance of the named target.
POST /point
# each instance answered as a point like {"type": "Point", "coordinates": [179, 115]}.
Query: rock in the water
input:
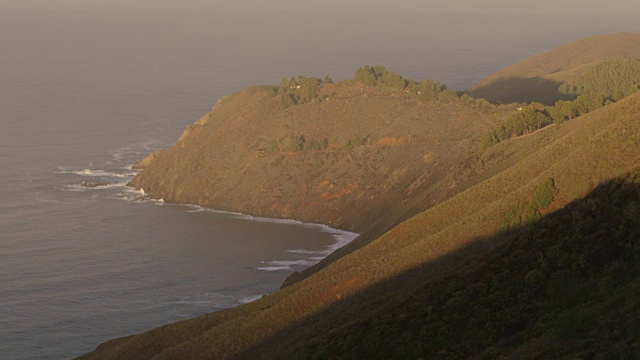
{"type": "Point", "coordinates": [89, 184]}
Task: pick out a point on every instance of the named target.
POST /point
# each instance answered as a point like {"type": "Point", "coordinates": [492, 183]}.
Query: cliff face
{"type": "Point", "coordinates": [361, 160]}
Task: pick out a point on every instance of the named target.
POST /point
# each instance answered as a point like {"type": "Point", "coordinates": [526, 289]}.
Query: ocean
{"type": "Point", "coordinates": [86, 94]}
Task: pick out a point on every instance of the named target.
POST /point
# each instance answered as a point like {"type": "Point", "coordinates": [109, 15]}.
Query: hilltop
{"type": "Point", "coordinates": [527, 247]}
{"type": "Point", "coordinates": [539, 77]}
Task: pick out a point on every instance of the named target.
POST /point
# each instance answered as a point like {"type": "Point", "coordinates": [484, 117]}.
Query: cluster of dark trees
{"type": "Point", "coordinates": [525, 213]}
{"type": "Point", "coordinates": [605, 83]}
{"type": "Point", "coordinates": [351, 144]}
{"type": "Point", "coordinates": [295, 91]}
{"type": "Point", "coordinates": [379, 76]}
{"type": "Point", "coordinates": [526, 120]}
{"type": "Point", "coordinates": [301, 90]}
{"type": "Point", "coordinates": [610, 80]}
{"type": "Point", "coordinates": [295, 143]}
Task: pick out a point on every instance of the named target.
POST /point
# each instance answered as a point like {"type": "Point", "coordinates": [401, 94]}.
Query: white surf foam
{"type": "Point", "coordinates": [304, 262]}
{"type": "Point", "coordinates": [74, 188]}
{"type": "Point", "coordinates": [269, 220]}
{"type": "Point", "coordinates": [100, 173]}
{"type": "Point", "coordinates": [249, 299]}
{"type": "Point", "coordinates": [305, 252]}
{"type": "Point", "coordinates": [274, 268]}
{"type": "Point", "coordinates": [342, 238]}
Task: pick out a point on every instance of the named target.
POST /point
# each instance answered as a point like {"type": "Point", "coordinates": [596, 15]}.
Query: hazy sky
{"type": "Point", "coordinates": [623, 8]}
{"type": "Point", "coordinates": [182, 43]}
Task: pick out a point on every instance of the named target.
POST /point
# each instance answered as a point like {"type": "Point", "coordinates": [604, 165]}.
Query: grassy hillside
{"type": "Point", "coordinates": [431, 273]}
{"type": "Point", "coordinates": [538, 77]}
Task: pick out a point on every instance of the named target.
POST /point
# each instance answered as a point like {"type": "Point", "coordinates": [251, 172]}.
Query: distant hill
{"type": "Point", "coordinates": [538, 77]}
{"type": "Point", "coordinates": [535, 254]}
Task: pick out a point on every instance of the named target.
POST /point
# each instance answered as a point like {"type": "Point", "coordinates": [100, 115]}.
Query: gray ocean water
{"type": "Point", "coordinates": [85, 94]}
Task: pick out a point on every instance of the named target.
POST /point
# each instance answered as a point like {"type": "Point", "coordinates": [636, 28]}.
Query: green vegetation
{"type": "Point", "coordinates": [612, 80]}
{"type": "Point", "coordinates": [286, 100]}
{"type": "Point", "coordinates": [428, 89]}
{"type": "Point", "coordinates": [318, 144]}
{"type": "Point", "coordinates": [351, 144]}
{"type": "Point", "coordinates": [295, 91]}
{"type": "Point", "coordinates": [524, 213]}
{"type": "Point", "coordinates": [272, 91]}
{"type": "Point", "coordinates": [309, 87]}
{"type": "Point", "coordinates": [295, 143]}
{"type": "Point", "coordinates": [524, 121]}
{"type": "Point", "coordinates": [301, 90]}
{"type": "Point", "coordinates": [603, 84]}
{"type": "Point", "coordinates": [377, 75]}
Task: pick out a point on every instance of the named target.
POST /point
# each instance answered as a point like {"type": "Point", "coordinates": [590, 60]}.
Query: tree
{"type": "Point", "coordinates": [286, 100]}
{"type": "Point", "coordinates": [288, 83]}
{"type": "Point", "coordinates": [519, 123]}
{"type": "Point", "coordinates": [607, 80]}
{"type": "Point", "coordinates": [295, 143]}
{"type": "Point", "coordinates": [391, 79]}
{"type": "Point", "coordinates": [309, 87]}
{"type": "Point", "coordinates": [272, 91]}
{"type": "Point", "coordinates": [428, 89]}
{"type": "Point", "coordinates": [366, 76]}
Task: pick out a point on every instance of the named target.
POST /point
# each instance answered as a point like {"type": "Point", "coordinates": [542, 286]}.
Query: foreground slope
{"type": "Point", "coordinates": [348, 295]}
{"type": "Point", "coordinates": [538, 77]}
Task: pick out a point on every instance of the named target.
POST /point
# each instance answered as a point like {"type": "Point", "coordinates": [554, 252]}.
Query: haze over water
{"type": "Point", "coordinates": [86, 92]}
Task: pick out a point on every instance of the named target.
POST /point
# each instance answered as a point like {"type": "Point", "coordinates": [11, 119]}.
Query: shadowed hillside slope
{"type": "Point", "coordinates": [538, 77]}
{"type": "Point", "coordinates": [574, 157]}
